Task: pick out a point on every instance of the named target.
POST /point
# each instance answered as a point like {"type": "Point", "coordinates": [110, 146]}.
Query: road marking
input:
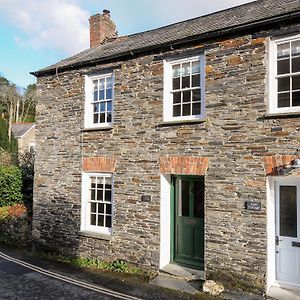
{"type": "Point", "coordinates": [67, 279]}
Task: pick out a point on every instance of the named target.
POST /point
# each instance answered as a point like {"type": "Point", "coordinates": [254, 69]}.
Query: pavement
{"type": "Point", "coordinates": [23, 277]}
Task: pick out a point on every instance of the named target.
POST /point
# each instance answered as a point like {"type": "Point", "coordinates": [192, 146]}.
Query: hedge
{"type": "Point", "coordinates": [10, 185]}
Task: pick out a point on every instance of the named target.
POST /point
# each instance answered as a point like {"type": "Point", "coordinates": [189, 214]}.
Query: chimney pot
{"type": "Point", "coordinates": [106, 12]}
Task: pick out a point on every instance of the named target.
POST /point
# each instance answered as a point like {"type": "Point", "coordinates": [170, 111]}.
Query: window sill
{"type": "Point", "coordinates": [181, 122]}
{"type": "Point", "coordinates": [108, 127]}
{"type": "Point", "coordinates": [95, 235]}
{"type": "Point", "coordinates": [282, 115]}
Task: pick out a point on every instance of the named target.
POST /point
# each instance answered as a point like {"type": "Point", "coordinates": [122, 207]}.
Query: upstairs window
{"type": "Point", "coordinates": [99, 101]}
{"type": "Point", "coordinates": [285, 75]}
{"type": "Point", "coordinates": [184, 89]}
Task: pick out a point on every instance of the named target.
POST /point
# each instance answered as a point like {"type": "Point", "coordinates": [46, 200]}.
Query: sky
{"type": "Point", "coordinates": [37, 33]}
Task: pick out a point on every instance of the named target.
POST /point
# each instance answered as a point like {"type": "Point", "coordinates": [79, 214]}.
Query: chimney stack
{"type": "Point", "coordinates": [101, 28]}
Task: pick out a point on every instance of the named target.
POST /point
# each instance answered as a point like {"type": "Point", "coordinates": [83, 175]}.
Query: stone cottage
{"type": "Point", "coordinates": [25, 135]}
{"type": "Point", "coordinates": [177, 145]}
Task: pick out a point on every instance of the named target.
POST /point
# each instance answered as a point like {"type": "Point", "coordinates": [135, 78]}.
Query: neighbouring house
{"type": "Point", "coordinates": [25, 135]}
{"type": "Point", "coordinates": [178, 145]}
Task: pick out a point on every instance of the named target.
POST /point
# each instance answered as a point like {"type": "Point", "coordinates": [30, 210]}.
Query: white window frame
{"type": "Point", "coordinates": [88, 103]}
{"type": "Point", "coordinates": [85, 205]}
{"type": "Point", "coordinates": [168, 100]}
{"type": "Point", "coordinates": [273, 86]}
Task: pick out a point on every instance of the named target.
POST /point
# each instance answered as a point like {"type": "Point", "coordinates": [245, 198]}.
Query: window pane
{"type": "Point", "coordinates": [283, 84]}
{"type": "Point", "coordinates": [93, 194]}
{"type": "Point", "coordinates": [102, 106]}
{"type": "Point", "coordinates": [196, 108]}
{"type": "Point", "coordinates": [108, 209]}
{"type": "Point", "coordinates": [108, 117]}
{"type": "Point", "coordinates": [93, 182]}
{"type": "Point", "coordinates": [107, 195]}
{"type": "Point", "coordinates": [100, 195]}
{"type": "Point", "coordinates": [176, 97]}
{"type": "Point", "coordinates": [296, 48]}
{"type": "Point", "coordinates": [196, 95]}
{"type": "Point", "coordinates": [96, 119]}
{"type": "Point", "coordinates": [185, 200]}
{"type": "Point", "coordinates": [176, 83]}
{"type": "Point", "coordinates": [196, 67]}
{"type": "Point", "coordinates": [199, 199]}
{"type": "Point", "coordinates": [108, 221]}
{"type": "Point", "coordinates": [101, 94]}
{"type": "Point", "coordinates": [100, 208]}
{"type": "Point", "coordinates": [186, 109]}
{"type": "Point", "coordinates": [108, 93]}
{"type": "Point", "coordinates": [283, 66]}
{"type": "Point", "coordinates": [93, 219]}
{"type": "Point", "coordinates": [176, 110]}
{"type": "Point", "coordinates": [109, 106]}
{"type": "Point", "coordinates": [102, 84]}
{"type": "Point", "coordinates": [100, 220]}
{"type": "Point", "coordinates": [196, 80]}
{"type": "Point", "coordinates": [185, 70]}
{"type": "Point", "coordinates": [185, 82]}
{"type": "Point", "coordinates": [283, 50]}
{"type": "Point", "coordinates": [96, 107]}
{"type": "Point", "coordinates": [296, 64]}
{"type": "Point", "coordinates": [284, 100]}
{"type": "Point", "coordinates": [108, 82]}
{"type": "Point", "coordinates": [102, 118]}
{"type": "Point", "coordinates": [296, 99]}
{"type": "Point", "coordinates": [296, 82]}
{"type": "Point", "coordinates": [95, 95]}
{"type": "Point", "coordinates": [176, 71]}
{"type": "Point", "coordinates": [95, 84]}
{"type": "Point", "coordinates": [186, 96]}
{"type": "Point", "coordinates": [288, 211]}
{"type": "Point", "coordinates": [107, 183]}
{"type": "Point", "coordinates": [93, 207]}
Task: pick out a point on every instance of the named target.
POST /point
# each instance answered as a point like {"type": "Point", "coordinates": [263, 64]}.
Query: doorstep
{"type": "Point", "coordinates": [180, 278]}
{"type": "Point", "coordinates": [183, 272]}
{"type": "Point", "coordinates": [284, 292]}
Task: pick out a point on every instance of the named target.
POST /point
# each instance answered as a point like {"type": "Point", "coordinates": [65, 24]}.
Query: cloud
{"type": "Point", "coordinates": [56, 24]}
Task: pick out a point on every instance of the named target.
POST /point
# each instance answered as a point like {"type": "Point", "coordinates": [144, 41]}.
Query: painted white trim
{"type": "Point", "coordinates": [85, 215]}
{"type": "Point", "coordinates": [271, 233]}
{"type": "Point", "coordinates": [88, 108]}
{"type": "Point", "coordinates": [165, 220]}
{"type": "Point", "coordinates": [272, 73]}
{"type": "Point", "coordinates": [167, 102]}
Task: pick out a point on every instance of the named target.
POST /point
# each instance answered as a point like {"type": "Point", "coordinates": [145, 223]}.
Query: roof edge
{"type": "Point", "coordinates": [208, 35]}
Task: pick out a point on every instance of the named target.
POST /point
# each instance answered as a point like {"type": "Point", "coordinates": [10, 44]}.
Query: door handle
{"type": "Point", "coordinates": [296, 244]}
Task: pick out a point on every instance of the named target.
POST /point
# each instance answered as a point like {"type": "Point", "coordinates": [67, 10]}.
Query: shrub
{"type": "Point", "coordinates": [10, 185]}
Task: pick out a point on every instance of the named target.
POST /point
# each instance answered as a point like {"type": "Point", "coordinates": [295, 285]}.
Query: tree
{"type": "Point", "coordinates": [16, 106]}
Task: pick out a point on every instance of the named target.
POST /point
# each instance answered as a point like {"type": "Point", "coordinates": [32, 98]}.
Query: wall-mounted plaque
{"type": "Point", "coordinates": [256, 206]}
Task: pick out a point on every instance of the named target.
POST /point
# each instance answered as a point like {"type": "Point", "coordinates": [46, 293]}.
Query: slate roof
{"type": "Point", "coordinates": [255, 13]}
{"type": "Point", "coordinates": [20, 129]}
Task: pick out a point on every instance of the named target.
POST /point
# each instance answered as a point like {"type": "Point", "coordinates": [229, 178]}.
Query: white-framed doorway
{"type": "Point", "coordinates": [283, 227]}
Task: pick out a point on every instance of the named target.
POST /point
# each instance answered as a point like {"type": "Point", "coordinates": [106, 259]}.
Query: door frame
{"type": "Point", "coordinates": [271, 187]}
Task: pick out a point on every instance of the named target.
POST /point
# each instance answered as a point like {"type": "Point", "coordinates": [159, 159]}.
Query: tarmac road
{"type": "Point", "coordinates": [24, 277]}
{"type": "Point", "coordinates": [20, 280]}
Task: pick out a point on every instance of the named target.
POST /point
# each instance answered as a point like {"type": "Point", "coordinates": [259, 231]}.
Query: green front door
{"type": "Point", "coordinates": [188, 237]}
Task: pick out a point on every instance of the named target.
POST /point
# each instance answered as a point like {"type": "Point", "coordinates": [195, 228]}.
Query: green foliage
{"type": "Point", "coordinates": [10, 185]}
{"type": "Point", "coordinates": [116, 266]}
{"type": "Point", "coordinates": [12, 146]}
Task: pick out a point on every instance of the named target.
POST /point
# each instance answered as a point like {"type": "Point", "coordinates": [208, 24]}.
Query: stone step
{"type": "Point", "coordinates": [177, 284]}
{"type": "Point", "coordinates": [185, 273]}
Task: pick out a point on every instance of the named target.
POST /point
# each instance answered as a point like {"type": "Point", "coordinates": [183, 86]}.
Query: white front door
{"type": "Point", "coordinates": [288, 232]}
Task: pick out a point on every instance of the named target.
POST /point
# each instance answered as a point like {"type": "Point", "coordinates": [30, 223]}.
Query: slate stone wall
{"type": "Point", "coordinates": [235, 136]}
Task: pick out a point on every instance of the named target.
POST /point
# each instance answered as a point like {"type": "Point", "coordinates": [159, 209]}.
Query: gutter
{"type": "Point", "coordinates": [180, 42]}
